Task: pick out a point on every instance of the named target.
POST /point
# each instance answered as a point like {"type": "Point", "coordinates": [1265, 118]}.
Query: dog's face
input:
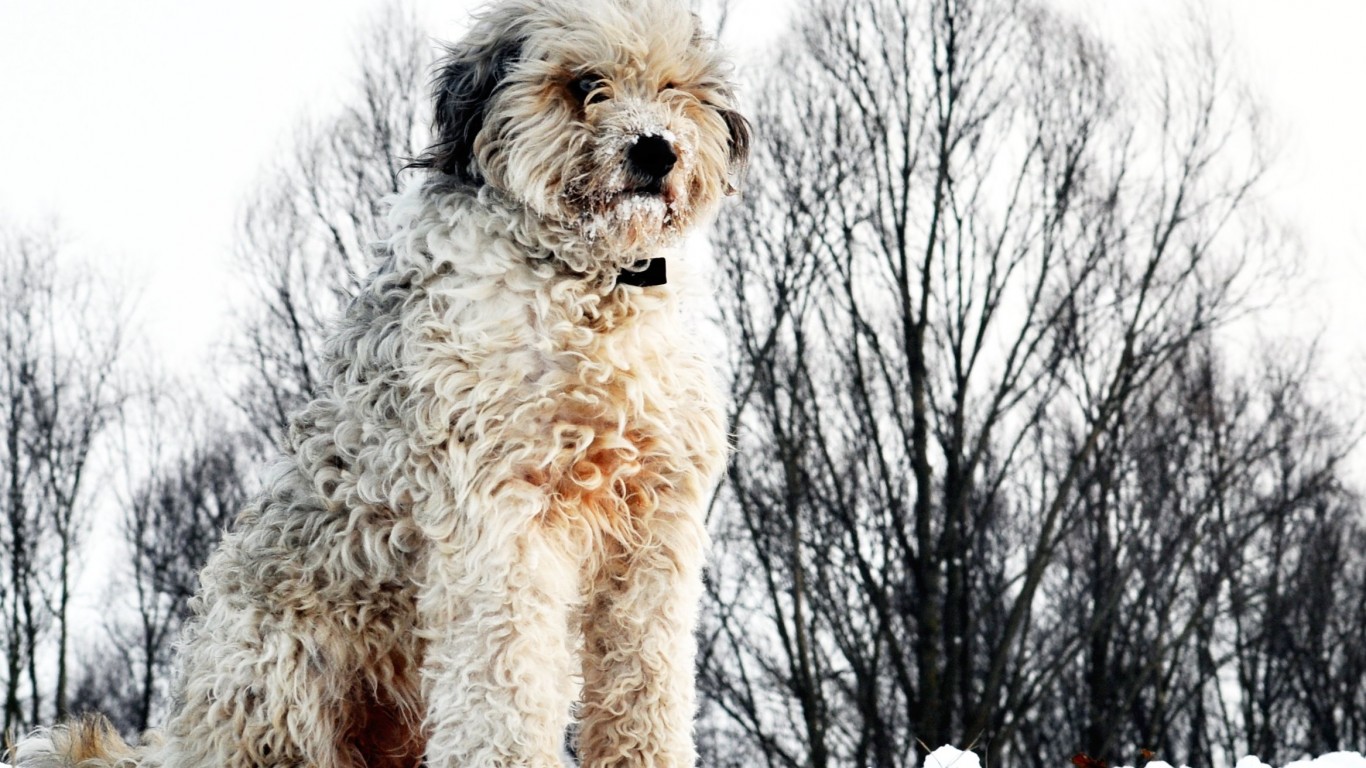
{"type": "Point", "coordinates": [612, 118]}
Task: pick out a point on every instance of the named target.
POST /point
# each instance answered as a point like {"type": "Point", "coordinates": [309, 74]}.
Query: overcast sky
{"type": "Point", "coordinates": [141, 126]}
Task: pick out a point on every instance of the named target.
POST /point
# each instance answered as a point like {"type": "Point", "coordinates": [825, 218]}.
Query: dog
{"type": "Point", "coordinates": [488, 527]}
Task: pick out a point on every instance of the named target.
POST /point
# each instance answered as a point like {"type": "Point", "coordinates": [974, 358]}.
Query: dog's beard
{"type": "Point", "coordinates": [631, 215]}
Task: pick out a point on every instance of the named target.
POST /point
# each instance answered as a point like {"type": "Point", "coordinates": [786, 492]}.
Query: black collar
{"type": "Point", "coordinates": [644, 273]}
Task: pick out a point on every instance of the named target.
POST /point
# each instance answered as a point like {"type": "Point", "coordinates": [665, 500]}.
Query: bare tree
{"type": "Point", "coordinates": [60, 341]}
{"type": "Point", "coordinates": [199, 478]}
{"type": "Point", "coordinates": [1295, 623]}
{"type": "Point", "coordinates": [104, 681]}
{"type": "Point", "coordinates": [306, 235]}
{"type": "Point", "coordinates": [1173, 553]}
{"type": "Point", "coordinates": [975, 263]}
{"type": "Point", "coordinates": [304, 248]}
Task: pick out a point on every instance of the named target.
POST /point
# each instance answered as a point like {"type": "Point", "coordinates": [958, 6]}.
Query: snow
{"type": "Point", "coordinates": [1330, 760]}
{"type": "Point", "coordinates": [949, 757]}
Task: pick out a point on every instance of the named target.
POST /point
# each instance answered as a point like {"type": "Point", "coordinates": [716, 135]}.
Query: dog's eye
{"type": "Point", "coordinates": [588, 89]}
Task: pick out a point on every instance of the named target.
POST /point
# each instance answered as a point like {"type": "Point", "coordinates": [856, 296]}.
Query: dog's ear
{"type": "Point", "coordinates": [738, 127]}
{"type": "Point", "coordinates": [467, 78]}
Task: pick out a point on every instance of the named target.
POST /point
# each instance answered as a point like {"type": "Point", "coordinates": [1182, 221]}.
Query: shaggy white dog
{"type": "Point", "coordinates": [493, 509]}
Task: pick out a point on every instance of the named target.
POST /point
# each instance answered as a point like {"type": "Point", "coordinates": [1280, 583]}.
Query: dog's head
{"type": "Point", "coordinates": [613, 118]}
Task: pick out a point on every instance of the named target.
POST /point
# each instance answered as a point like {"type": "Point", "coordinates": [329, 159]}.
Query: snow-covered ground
{"type": "Point", "coordinates": [949, 757]}
{"type": "Point", "coordinates": [1330, 760]}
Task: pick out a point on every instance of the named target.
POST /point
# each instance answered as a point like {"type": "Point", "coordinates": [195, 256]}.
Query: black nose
{"type": "Point", "coordinates": [653, 156]}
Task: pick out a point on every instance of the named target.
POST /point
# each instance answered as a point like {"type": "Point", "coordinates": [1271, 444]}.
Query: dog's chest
{"type": "Point", "coordinates": [632, 430]}
{"type": "Point", "coordinates": [611, 423]}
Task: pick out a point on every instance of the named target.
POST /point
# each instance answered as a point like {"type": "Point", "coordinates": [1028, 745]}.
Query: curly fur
{"type": "Point", "coordinates": [491, 515]}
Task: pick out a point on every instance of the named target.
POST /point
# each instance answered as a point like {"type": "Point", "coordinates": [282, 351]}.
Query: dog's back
{"type": "Point", "coordinates": [89, 741]}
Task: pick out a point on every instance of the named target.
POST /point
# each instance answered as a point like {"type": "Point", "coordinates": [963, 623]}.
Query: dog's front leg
{"type": "Point", "coordinates": [639, 649]}
{"type": "Point", "coordinates": [496, 604]}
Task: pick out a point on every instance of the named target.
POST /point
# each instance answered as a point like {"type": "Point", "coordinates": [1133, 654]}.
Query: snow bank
{"type": "Point", "coordinates": [1330, 760]}
{"type": "Point", "coordinates": [949, 757]}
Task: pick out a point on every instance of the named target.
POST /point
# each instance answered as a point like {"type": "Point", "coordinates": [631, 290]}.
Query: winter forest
{"type": "Point", "coordinates": [1005, 475]}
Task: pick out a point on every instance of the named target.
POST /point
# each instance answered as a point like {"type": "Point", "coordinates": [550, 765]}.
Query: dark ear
{"type": "Point", "coordinates": [739, 142]}
{"type": "Point", "coordinates": [466, 79]}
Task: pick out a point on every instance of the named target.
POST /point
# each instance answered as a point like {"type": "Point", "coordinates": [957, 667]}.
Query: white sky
{"type": "Point", "coordinates": [140, 126]}
{"type": "Point", "coordinates": [1304, 59]}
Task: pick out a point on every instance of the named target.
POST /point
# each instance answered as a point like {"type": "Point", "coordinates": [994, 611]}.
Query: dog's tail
{"type": "Point", "coordinates": [89, 741]}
